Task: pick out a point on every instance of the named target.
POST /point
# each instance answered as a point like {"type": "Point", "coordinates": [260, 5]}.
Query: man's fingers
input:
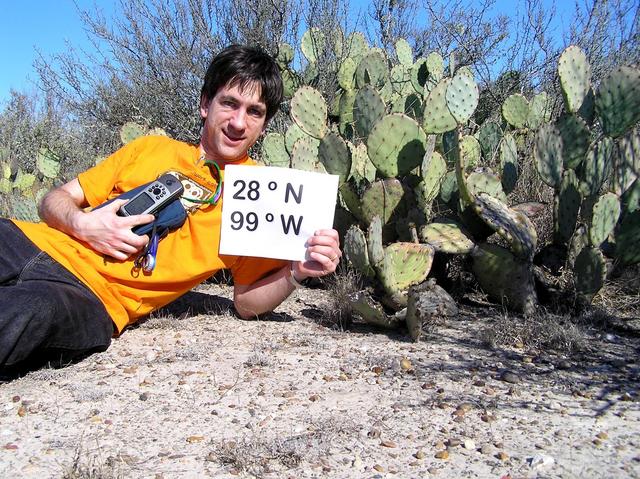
{"type": "Point", "coordinates": [136, 220]}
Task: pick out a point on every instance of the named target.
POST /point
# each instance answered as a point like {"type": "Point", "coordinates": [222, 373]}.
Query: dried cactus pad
{"type": "Point", "coordinates": [512, 225]}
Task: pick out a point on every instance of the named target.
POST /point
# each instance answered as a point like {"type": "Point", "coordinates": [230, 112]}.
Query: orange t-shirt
{"type": "Point", "coordinates": [185, 258]}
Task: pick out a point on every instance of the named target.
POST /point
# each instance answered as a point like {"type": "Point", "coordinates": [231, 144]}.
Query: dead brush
{"type": "Point", "coordinates": [345, 282]}
{"type": "Point", "coordinates": [539, 331]}
{"type": "Point", "coordinates": [259, 455]}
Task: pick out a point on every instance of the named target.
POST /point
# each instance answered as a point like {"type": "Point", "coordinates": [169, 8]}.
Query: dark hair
{"type": "Point", "coordinates": [239, 65]}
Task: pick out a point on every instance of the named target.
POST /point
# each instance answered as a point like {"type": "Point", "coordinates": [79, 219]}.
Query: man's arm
{"type": "Point", "coordinates": [266, 294]}
{"type": "Point", "coordinates": [102, 229]}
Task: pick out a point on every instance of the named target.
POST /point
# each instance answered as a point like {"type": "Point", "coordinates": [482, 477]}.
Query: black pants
{"type": "Point", "coordinates": [47, 316]}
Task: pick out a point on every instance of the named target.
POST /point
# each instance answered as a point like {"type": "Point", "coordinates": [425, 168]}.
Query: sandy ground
{"type": "Point", "coordinates": [201, 394]}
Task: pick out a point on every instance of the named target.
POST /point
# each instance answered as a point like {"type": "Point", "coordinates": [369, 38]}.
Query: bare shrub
{"type": "Point", "coordinates": [341, 286]}
{"type": "Point", "coordinates": [540, 331]}
{"type": "Point", "coordinates": [257, 455]}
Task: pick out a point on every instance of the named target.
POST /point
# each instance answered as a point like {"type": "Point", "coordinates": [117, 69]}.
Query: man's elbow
{"type": "Point", "coordinates": [244, 309]}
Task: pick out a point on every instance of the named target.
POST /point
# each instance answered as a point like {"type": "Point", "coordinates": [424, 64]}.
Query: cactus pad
{"type": "Point", "coordinates": [618, 101]}
{"type": "Point", "coordinates": [590, 270]}
{"type": "Point", "coordinates": [309, 111]}
{"type": "Point", "coordinates": [515, 110]}
{"type": "Point", "coordinates": [357, 46]}
{"type": "Point", "coordinates": [485, 182]}
{"type": "Point", "coordinates": [334, 155]}
{"type": "Point", "coordinates": [399, 153]}
{"type": "Point", "coordinates": [304, 155]}
{"type": "Point", "coordinates": [447, 236]}
{"type": "Point", "coordinates": [489, 136]}
{"type": "Point", "coordinates": [626, 161]}
{"type": "Point", "coordinates": [404, 265]}
{"type": "Point", "coordinates": [435, 66]}
{"type": "Point", "coordinates": [505, 278]}
{"type": "Point", "coordinates": [437, 117]}
{"type": "Point", "coordinates": [385, 199]}
{"type": "Point", "coordinates": [575, 77]}
{"type": "Point", "coordinates": [508, 163]}
{"type": "Point", "coordinates": [419, 75]}
{"type": "Point", "coordinates": [346, 74]}
{"type": "Point", "coordinates": [433, 171]}
{"type": "Point", "coordinates": [355, 248]}
{"type": "Point", "coordinates": [404, 52]}
{"type": "Point", "coordinates": [130, 131]}
{"type": "Point", "coordinates": [627, 244]}
{"type": "Point", "coordinates": [372, 70]}
{"type": "Point", "coordinates": [513, 226]}
{"type": "Point", "coordinates": [566, 207]}
{"type": "Point", "coordinates": [47, 163]}
{"type": "Point", "coordinates": [596, 166]}
{"type": "Point", "coordinates": [312, 44]}
{"type": "Point", "coordinates": [539, 110]}
{"type": "Point", "coordinates": [547, 152]}
{"type": "Point", "coordinates": [462, 96]}
{"type": "Point", "coordinates": [368, 108]}
{"type": "Point", "coordinates": [575, 139]}
{"type": "Point", "coordinates": [374, 241]}
{"type": "Point", "coordinates": [604, 218]}
{"type": "Point", "coordinates": [274, 151]}
{"type": "Point", "coordinates": [361, 166]}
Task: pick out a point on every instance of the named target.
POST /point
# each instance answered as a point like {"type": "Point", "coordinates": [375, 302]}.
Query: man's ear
{"type": "Point", "coordinates": [204, 107]}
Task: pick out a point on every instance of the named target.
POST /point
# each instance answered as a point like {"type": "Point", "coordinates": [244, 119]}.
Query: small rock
{"type": "Point", "coordinates": [469, 444]}
{"type": "Point", "coordinates": [143, 396]}
{"type": "Point", "coordinates": [564, 364]}
{"type": "Point", "coordinates": [378, 468]}
{"type": "Point", "coordinates": [405, 364]}
{"type": "Point", "coordinates": [419, 454]}
{"type": "Point", "coordinates": [510, 377]}
{"type": "Point", "coordinates": [486, 449]}
{"type": "Point", "coordinates": [503, 456]}
{"type": "Point", "coordinates": [22, 411]}
{"type": "Point", "coordinates": [454, 442]}
{"type": "Point", "coordinates": [442, 454]}
{"type": "Point", "coordinates": [387, 443]}
{"type": "Point", "coordinates": [602, 435]}
{"type": "Point", "coordinates": [15, 399]}
{"type": "Point", "coordinates": [540, 460]}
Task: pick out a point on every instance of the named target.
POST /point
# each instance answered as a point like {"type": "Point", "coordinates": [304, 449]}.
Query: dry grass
{"type": "Point", "coordinates": [258, 455]}
{"type": "Point", "coordinates": [541, 331]}
{"type": "Point", "coordinates": [341, 286]}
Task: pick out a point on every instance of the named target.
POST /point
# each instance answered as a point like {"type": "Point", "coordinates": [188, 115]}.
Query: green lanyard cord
{"type": "Point", "coordinates": [218, 193]}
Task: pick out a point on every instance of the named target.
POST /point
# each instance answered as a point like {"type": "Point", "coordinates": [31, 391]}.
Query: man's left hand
{"type": "Point", "coordinates": [323, 251]}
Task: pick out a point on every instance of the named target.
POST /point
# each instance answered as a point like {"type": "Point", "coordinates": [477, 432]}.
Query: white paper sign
{"type": "Point", "coordinates": [270, 212]}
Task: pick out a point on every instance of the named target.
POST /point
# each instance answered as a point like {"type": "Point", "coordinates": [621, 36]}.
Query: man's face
{"type": "Point", "coordinates": [233, 121]}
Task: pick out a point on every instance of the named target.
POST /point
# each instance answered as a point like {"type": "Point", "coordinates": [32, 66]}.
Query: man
{"type": "Point", "coordinates": [69, 284]}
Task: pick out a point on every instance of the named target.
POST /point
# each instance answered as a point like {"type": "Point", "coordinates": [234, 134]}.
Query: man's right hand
{"type": "Point", "coordinates": [110, 234]}
{"type": "Point", "coordinates": [101, 228]}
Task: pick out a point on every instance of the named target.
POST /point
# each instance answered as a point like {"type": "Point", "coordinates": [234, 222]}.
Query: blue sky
{"type": "Point", "coordinates": [30, 25]}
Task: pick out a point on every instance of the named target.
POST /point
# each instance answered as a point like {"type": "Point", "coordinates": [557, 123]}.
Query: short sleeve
{"type": "Point", "coordinates": [247, 270]}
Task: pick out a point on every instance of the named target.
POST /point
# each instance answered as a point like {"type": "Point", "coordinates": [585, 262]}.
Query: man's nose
{"type": "Point", "coordinates": [239, 119]}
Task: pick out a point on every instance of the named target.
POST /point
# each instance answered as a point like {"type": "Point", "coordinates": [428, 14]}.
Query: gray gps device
{"type": "Point", "coordinates": [153, 197]}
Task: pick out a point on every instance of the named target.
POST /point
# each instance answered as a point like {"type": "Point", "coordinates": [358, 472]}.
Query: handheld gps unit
{"type": "Point", "coordinates": [153, 197]}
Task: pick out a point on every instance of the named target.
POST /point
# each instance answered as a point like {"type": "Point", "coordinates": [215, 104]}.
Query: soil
{"type": "Point", "coordinates": [197, 392]}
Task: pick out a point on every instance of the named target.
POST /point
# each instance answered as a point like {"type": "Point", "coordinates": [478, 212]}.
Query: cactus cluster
{"type": "Point", "coordinates": [592, 173]}
{"type": "Point", "coordinates": [20, 191]}
{"type": "Point", "coordinates": [399, 136]}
